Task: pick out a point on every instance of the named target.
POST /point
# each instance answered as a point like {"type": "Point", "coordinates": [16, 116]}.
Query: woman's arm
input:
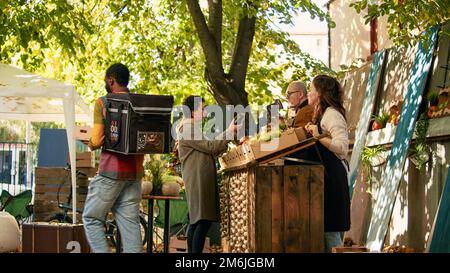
{"type": "Point", "coordinates": [336, 126]}
{"type": "Point", "coordinates": [334, 123]}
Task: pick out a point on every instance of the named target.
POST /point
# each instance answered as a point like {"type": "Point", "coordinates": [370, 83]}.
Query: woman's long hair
{"type": "Point", "coordinates": [331, 95]}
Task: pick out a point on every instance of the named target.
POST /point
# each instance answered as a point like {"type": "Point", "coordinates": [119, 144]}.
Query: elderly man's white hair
{"type": "Point", "coordinates": [297, 86]}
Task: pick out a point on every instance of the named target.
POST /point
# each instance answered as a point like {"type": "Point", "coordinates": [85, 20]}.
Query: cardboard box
{"type": "Point", "coordinates": [289, 138]}
{"type": "Point", "coordinates": [235, 157]}
{"type": "Point", "coordinates": [83, 132]}
{"type": "Point", "coordinates": [249, 152]}
{"type": "Point", "coordinates": [43, 237]}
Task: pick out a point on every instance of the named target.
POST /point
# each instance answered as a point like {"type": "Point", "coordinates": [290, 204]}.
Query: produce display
{"type": "Point", "coordinates": [252, 148]}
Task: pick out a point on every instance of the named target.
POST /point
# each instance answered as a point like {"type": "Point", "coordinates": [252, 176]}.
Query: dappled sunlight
{"type": "Point", "coordinates": [395, 82]}
{"type": "Point", "coordinates": [362, 117]}
{"type": "Point", "coordinates": [354, 84]}
{"type": "Point", "coordinates": [394, 170]}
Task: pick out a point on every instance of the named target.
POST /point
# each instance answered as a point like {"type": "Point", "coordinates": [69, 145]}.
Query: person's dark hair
{"type": "Point", "coordinates": [120, 73]}
{"type": "Point", "coordinates": [192, 102]}
{"type": "Point", "coordinates": [331, 94]}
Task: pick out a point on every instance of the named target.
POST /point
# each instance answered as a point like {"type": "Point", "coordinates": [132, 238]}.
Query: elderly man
{"type": "Point", "coordinates": [298, 103]}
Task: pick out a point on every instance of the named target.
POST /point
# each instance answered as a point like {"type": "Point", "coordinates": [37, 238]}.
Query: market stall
{"type": "Point", "coordinates": [267, 206]}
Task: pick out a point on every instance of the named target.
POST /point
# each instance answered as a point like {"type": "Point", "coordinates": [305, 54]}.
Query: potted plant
{"type": "Point", "coordinates": [155, 168]}
{"type": "Point", "coordinates": [371, 158]}
{"type": "Point", "coordinates": [171, 185]}
{"type": "Point", "coordinates": [433, 100]}
{"type": "Point", "coordinates": [379, 122]}
{"type": "Point", "coordinates": [420, 154]}
{"type": "Point", "coordinates": [147, 185]}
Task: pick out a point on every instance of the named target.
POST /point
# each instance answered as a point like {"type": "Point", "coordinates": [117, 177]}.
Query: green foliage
{"type": "Point", "coordinates": [421, 150]}
{"type": "Point", "coordinates": [14, 131]}
{"type": "Point", "coordinates": [369, 157]}
{"type": "Point", "coordinates": [406, 19]}
{"type": "Point", "coordinates": [433, 97]}
{"type": "Point", "coordinates": [155, 168]}
{"type": "Point", "coordinates": [75, 41]}
{"type": "Point", "coordinates": [383, 119]}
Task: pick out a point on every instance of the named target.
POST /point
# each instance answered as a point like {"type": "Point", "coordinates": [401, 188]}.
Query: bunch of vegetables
{"type": "Point", "coordinates": [267, 134]}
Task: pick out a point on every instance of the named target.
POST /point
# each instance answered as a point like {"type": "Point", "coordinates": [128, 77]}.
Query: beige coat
{"type": "Point", "coordinates": [199, 173]}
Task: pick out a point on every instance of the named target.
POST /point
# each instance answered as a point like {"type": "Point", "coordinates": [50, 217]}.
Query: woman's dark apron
{"type": "Point", "coordinates": [336, 192]}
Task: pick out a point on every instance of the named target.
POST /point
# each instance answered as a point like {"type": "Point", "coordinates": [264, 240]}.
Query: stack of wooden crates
{"type": "Point", "coordinates": [272, 209]}
{"type": "Point", "coordinates": [47, 183]}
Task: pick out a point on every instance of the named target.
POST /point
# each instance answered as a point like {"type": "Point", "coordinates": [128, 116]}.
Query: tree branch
{"type": "Point", "coordinates": [215, 22]}
{"type": "Point", "coordinates": [207, 41]}
{"type": "Point", "coordinates": [242, 50]}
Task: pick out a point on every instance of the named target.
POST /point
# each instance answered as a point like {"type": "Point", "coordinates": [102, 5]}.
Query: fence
{"type": "Point", "coordinates": [17, 164]}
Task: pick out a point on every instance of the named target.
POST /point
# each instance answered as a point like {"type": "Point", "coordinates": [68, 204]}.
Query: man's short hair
{"type": "Point", "coordinates": [192, 102]}
{"type": "Point", "coordinates": [298, 86]}
{"type": "Point", "coordinates": [120, 73]}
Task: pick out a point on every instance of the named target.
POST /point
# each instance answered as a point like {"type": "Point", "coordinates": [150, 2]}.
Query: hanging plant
{"type": "Point", "coordinates": [421, 151]}
{"type": "Point", "coordinates": [371, 158]}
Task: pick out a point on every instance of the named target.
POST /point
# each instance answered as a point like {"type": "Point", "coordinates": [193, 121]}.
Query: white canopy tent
{"type": "Point", "coordinates": [29, 97]}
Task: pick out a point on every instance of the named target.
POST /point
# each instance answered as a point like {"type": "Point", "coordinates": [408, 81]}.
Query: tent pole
{"type": "Point", "coordinates": [28, 152]}
{"type": "Point", "coordinates": [69, 115]}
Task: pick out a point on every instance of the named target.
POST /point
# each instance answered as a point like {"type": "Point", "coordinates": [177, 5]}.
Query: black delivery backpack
{"type": "Point", "coordinates": [138, 124]}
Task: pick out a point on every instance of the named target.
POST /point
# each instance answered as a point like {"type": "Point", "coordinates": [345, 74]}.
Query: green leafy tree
{"type": "Point", "coordinates": [406, 19]}
{"type": "Point", "coordinates": [230, 51]}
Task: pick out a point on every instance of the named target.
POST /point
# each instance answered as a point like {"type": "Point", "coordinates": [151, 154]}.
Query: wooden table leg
{"type": "Point", "coordinates": [150, 226]}
{"type": "Point", "coordinates": [166, 226]}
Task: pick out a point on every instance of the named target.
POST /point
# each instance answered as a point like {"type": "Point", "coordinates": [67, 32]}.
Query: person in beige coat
{"type": "Point", "coordinates": [198, 162]}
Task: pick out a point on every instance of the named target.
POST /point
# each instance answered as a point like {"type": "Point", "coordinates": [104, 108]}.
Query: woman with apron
{"type": "Point", "coordinates": [329, 118]}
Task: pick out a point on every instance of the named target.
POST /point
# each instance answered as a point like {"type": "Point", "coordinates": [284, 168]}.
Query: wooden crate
{"type": "Point", "coordinates": [53, 238]}
{"type": "Point", "coordinates": [287, 139]}
{"type": "Point", "coordinates": [179, 245]}
{"type": "Point", "coordinates": [47, 184]}
{"type": "Point", "coordinates": [251, 152]}
{"type": "Point", "coordinates": [273, 209]}
{"type": "Point", "coordinates": [84, 160]}
{"type": "Point", "coordinates": [350, 249]}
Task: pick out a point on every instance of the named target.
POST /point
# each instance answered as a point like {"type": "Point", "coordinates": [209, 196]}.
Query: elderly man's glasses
{"type": "Point", "coordinates": [288, 94]}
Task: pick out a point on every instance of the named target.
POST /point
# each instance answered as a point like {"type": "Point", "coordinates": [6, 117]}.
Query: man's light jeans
{"type": "Point", "coordinates": [122, 198]}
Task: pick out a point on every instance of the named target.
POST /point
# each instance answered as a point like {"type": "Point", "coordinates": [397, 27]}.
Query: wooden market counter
{"type": "Point", "coordinates": [272, 208]}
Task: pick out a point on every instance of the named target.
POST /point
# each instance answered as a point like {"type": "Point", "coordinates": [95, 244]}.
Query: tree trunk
{"type": "Point", "coordinates": [227, 89]}
{"type": "Point", "coordinates": [224, 92]}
